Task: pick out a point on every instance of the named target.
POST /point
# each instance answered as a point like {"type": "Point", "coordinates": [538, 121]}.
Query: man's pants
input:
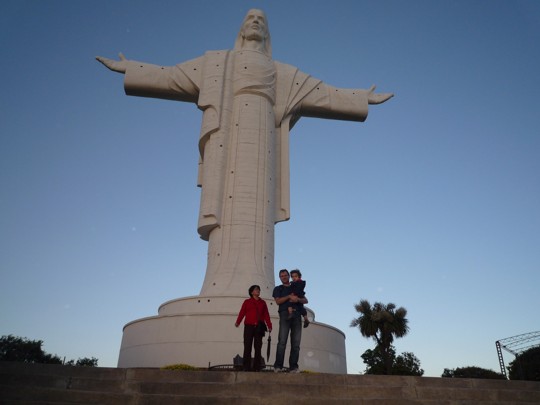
{"type": "Point", "coordinates": [294, 326]}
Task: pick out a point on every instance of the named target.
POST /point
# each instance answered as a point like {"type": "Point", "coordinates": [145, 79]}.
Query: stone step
{"type": "Point", "coordinates": [53, 384]}
{"type": "Point", "coordinates": [28, 395]}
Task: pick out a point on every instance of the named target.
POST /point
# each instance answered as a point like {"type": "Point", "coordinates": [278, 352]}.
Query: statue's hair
{"type": "Point", "coordinates": [267, 42]}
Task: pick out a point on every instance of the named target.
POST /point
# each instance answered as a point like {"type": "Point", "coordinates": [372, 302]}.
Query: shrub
{"type": "Point", "coordinates": [472, 372]}
{"type": "Point", "coordinates": [179, 367]}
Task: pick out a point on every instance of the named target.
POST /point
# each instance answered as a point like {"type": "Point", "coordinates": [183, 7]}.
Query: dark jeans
{"type": "Point", "coordinates": [294, 326]}
{"type": "Point", "coordinates": [252, 338]}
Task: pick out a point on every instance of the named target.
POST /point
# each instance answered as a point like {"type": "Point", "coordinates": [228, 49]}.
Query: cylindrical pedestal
{"type": "Point", "coordinates": [200, 331]}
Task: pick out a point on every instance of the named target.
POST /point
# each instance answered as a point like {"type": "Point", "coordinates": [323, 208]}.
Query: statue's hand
{"type": "Point", "coordinates": [119, 66]}
{"type": "Point", "coordinates": [378, 98]}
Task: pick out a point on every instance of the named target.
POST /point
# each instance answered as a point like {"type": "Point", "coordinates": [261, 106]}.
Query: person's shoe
{"type": "Point", "coordinates": [278, 370]}
{"type": "Point", "coordinates": [295, 371]}
{"type": "Point", "coordinates": [306, 323]}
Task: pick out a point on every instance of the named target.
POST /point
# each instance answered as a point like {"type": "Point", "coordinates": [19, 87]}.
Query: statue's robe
{"type": "Point", "coordinates": [249, 104]}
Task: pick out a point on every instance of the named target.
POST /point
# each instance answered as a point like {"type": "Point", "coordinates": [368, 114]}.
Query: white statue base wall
{"type": "Point", "coordinates": [200, 331]}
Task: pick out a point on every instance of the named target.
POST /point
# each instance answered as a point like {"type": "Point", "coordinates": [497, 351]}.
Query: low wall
{"type": "Point", "coordinates": [53, 384]}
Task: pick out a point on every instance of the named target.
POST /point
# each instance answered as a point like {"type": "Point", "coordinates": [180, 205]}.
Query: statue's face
{"type": "Point", "coordinates": [254, 27]}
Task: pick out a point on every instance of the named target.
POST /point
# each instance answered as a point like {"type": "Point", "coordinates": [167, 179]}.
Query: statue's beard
{"type": "Point", "coordinates": [254, 36]}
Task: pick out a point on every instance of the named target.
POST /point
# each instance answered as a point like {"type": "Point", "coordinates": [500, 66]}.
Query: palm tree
{"type": "Point", "coordinates": [382, 323]}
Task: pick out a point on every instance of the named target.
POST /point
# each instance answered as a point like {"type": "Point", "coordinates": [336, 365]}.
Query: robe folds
{"type": "Point", "coordinates": [249, 104]}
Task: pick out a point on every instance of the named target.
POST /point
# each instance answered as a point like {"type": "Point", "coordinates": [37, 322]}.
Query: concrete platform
{"type": "Point", "coordinates": [53, 384]}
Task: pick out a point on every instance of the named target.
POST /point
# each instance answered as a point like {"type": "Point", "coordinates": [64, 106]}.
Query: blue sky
{"type": "Point", "coordinates": [433, 203]}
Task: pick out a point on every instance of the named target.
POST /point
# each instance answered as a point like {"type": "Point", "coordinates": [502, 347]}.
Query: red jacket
{"type": "Point", "coordinates": [250, 309]}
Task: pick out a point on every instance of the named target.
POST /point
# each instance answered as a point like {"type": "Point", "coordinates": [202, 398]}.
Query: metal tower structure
{"type": "Point", "coordinates": [516, 345]}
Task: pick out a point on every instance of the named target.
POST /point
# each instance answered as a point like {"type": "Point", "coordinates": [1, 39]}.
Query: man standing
{"type": "Point", "coordinates": [282, 295]}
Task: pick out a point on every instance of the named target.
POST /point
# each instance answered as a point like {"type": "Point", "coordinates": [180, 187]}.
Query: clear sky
{"type": "Point", "coordinates": [433, 203]}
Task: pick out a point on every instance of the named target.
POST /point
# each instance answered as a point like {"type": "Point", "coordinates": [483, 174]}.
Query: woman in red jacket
{"type": "Point", "coordinates": [254, 309]}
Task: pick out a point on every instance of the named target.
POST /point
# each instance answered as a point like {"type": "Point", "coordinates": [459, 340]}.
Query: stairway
{"type": "Point", "coordinates": [54, 384]}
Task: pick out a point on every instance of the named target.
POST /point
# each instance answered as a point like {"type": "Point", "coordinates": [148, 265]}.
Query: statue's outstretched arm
{"type": "Point", "coordinates": [119, 66]}
{"type": "Point", "coordinates": [378, 98]}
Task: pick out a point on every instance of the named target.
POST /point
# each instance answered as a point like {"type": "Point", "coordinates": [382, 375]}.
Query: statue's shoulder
{"type": "Point", "coordinates": [217, 51]}
{"type": "Point", "coordinates": [214, 61]}
{"type": "Point", "coordinates": [222, 53]}
{"type": "Point", "coordinates": [286, 70]}
{"type": "Point", "coordinates": [285, 67]}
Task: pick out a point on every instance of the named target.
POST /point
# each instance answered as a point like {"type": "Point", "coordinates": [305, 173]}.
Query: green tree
{"type": "Point", "coordinates": [83, 362]}
{"type": "Point", "coordinates": [472, 372]}
{"type": "Point", "coordinates": [374, 361]}
{"type": "Point", "coordinates": [407, 364]}
{"type": "Point", "coordinates": [87, 362]}
{"type": "Point", "coordinates": [383, 323]}
{"type": "Point", "coordinates": [526, 366]}
{"type": "Point", "coordinates": [14, 348]}
{"type": "Point", "coordinates": [404, 364]}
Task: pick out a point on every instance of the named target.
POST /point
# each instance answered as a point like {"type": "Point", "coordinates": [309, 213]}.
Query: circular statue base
{"type": "Point", "coordinates": [200, 331]}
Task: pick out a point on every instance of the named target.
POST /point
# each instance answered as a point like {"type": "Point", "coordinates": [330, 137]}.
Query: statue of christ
{"type": "Point", "coordinates": [249, 103]}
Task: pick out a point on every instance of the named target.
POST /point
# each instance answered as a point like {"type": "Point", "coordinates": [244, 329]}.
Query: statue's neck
{"type": "Point", "coordinates": [253, 45]}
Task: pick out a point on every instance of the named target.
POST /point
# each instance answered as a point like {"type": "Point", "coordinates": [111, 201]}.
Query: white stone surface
{"type": "Point", "coordinates": [200, 331]}
{"type": "Point", "coordinates": [249, 102]}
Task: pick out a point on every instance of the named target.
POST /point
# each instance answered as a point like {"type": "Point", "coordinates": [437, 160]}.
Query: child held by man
{"type": "Point", "coordinates": [297, 288]}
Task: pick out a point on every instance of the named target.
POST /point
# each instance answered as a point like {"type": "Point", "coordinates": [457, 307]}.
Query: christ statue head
{"type": "Point", "coordinates": [254, 30]}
